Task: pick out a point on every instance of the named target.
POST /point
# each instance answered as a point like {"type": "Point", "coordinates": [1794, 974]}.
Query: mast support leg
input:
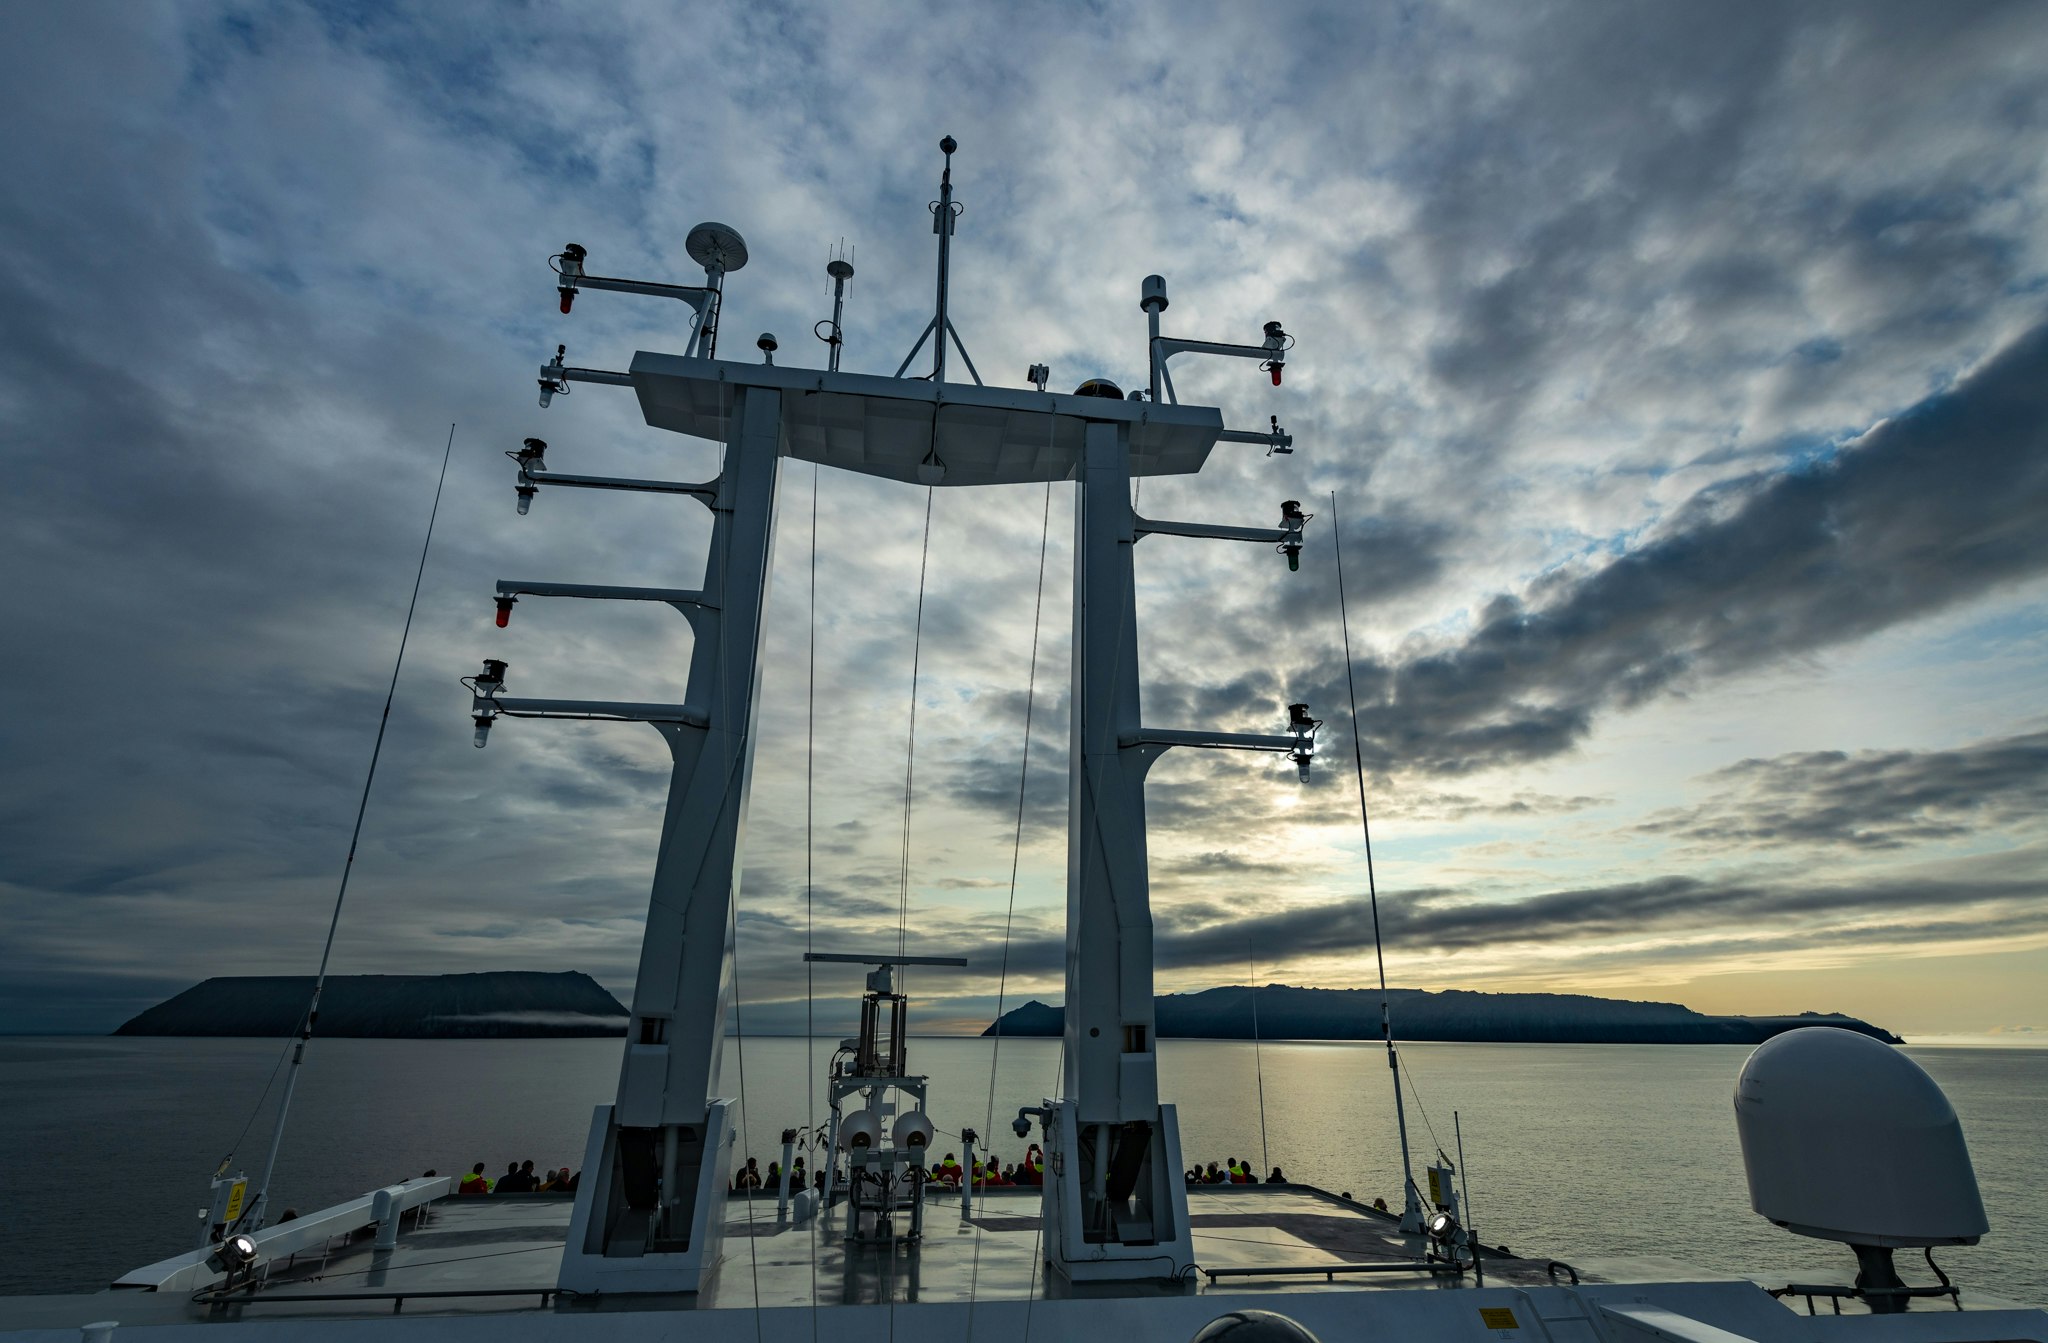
{"type": "Point", "coordinates": [1115, 1204]}
{"type": "Point", "coordinates": [650, 1212]}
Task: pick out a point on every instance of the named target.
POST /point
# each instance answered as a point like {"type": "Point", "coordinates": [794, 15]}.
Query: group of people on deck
{"type": "Point", "coordinates": [985, 1172]}
{"type": "Point", "coordinates": [519, 1178]}
{"type": "Point", "coordinates": [750, 1178]}
{"type": "Point", "coordinates": [1232, 1171]}
{"type": "Point", "coordinates": [990, 1173]}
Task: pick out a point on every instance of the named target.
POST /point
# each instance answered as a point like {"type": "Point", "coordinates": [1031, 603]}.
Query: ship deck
{"type": "Point", "coordinates": [1328, 1261]}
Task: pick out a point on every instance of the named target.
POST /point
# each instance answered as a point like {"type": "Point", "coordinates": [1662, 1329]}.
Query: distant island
{"type": "Point", "coordinates": [1289, 1013]}
{"type": "Point", "coordinates": [499, 1004]}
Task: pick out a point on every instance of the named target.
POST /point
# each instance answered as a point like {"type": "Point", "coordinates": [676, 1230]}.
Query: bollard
{"type": "Point", "coordinates": [967, 1137]}
{"type": "Point", "coordinates": [386, 1218]}
{"type": "Point", "coordinates": [782, 1184]}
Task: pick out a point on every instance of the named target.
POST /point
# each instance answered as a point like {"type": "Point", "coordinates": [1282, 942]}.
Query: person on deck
{"type": "Point", "coordinates": [475, 1182]}
{"type": "Point", "coordinates": [949, 1169]}
{"type": "Point", "coordinates": [748, 1178]}
{"type": "Point", "coordinates": [1276, 1177]}
{"type": "Point", "coordinates": [1214, 1176]}
{"type": "Point", "coordinates": [509, 1182]}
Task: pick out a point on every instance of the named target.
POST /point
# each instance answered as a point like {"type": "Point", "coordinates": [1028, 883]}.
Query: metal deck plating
{"type": "Point", "coordinates": [472, 1268]}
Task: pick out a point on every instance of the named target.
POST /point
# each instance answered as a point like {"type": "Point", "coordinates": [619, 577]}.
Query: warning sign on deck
{"type": "Point", "coordinates": [1498, 1317]}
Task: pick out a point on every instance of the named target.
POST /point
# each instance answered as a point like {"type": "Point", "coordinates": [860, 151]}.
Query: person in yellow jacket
{"type": "Point", "coordinates": [949, 1169]}
{"type": "Point", "coordinates": [476, 1182]}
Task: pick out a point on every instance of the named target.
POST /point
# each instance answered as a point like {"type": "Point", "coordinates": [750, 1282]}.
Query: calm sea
{"type": "Point", "coordinates": [1573, 1151]}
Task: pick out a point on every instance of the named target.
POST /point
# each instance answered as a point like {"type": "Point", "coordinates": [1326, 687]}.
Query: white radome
{"type": "Point", "coordinates": [1845, 1138]}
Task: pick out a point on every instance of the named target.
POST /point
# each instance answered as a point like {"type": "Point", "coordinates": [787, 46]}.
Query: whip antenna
{"type": "Point", "coordinates": [1411, 1205]}
{"type": "Point", "coordinates": [291, 1080]}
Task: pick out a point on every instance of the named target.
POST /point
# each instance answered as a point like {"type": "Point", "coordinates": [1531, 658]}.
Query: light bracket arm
{"type": "Point", "coordinates": [1166, 347]}
{"type": "Point", "coordinates": [587, 710]}
{"type": "Point", "coordinates": [1278, 440]}
{"type": "Point", "coordinates": [605, 376]}
{"type": "Point", "coordinates": [1208, 531]}
{"type": "Point", "coordinates": [705, 490]}
{"type": "Point", "coordinates": [519, 587]}
{"type": "Point", "coordinates": [696, 295]}
{"type": "Point", "coordinates": [1162, 738]}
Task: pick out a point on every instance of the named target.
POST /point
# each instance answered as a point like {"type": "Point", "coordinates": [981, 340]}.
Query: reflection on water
{"type": "Point", "coordinates": [1575, 1151]}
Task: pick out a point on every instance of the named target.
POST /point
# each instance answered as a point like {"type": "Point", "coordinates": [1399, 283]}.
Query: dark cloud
{"type": "Point", "coordinates": [1773, 915]}
{"type": "Point", "coordinates": [1945, 503]}
{"type": "Point", "coordinates": [1555, 272]}
{"type": "Point", "coordinates": [1869, 799]}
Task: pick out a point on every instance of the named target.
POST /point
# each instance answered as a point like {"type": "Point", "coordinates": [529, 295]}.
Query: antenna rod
{"type": "Point", "coordinates": [840, 270]}
{"type": "Point", "coordinates": [1465, 1192]}
{"type": "Point", "coordinates": [1411, 1206]}
{"type": "Point", "coordinates": [284, 1104]}
{"type": "Point", "coordinates": [942, 224]}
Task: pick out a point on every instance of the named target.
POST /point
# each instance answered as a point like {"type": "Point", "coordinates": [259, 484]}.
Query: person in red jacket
{"type": "Point", "coordinates": [474, 1182]}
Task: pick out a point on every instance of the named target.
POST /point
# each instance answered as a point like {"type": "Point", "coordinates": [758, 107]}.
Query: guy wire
{"type": "Point", "coordinates": [284, 1104]}
{"type": "Point", "coordinates": [1409, 1192]}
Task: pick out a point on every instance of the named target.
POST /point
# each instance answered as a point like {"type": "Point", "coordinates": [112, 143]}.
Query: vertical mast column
{"type": "Point", "coordinates": [650, 1212]}
{"type": "Point", "coordinates": [1116, 1207]}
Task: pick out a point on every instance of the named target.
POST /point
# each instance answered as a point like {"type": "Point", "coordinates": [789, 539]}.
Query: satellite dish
{"type": "Point", "coordinates": [718, 245]}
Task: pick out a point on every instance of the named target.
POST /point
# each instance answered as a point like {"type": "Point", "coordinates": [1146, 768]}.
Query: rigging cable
{"type": "Point", "coordinates": [1016, 854]}
{"type": "Point", "coordinates": [739, 1039]}
{"type": "Point", "coordinates": [1410, 1194]}
{"type": "Point", "coordinates": [910, 744]}
{"type": "Point", "coordinates": [255, 1214]}
{"type": "Point", "coordinates": [1258, 1061]}
{"type": "Point", "coordinates": [810, 762]}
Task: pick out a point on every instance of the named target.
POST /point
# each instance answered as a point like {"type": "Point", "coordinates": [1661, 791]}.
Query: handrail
{"type": "Point", "coordinates": [190, 1270]}
{"type": "Point", "coordinates": [1329, 1271]}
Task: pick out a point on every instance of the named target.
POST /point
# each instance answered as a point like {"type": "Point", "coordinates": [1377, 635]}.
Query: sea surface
{"type": "Point", "coordinates": [1572, 1151]}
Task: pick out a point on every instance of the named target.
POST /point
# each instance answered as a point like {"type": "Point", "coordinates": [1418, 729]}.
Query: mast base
{"type": "Point", "coordinates": [619, 1241]}
{"type": "Point", "coordinates": [1116, 1203]}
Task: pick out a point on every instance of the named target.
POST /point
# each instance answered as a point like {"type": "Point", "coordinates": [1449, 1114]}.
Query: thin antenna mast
{"type": "Point", "coordinates": [1465, 1193]}
{"type": "Point", "coordinates": [291, 1081]}
{"type": "Point", "coordinates": [942, 224]}
{"type": "Point", "coordinates": [945, 210]}
{"type": "Point", "coordinates": [841, 270]}
{"type": "Point", "coordinates": [1411, 1207]}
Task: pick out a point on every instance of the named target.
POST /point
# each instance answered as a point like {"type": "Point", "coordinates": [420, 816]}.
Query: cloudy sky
{"type": "Point", "coordinates": [1680, 371]}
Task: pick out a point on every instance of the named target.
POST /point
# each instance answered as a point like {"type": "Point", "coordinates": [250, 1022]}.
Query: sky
{"type": "Point", "coordinates": [1678, 372]}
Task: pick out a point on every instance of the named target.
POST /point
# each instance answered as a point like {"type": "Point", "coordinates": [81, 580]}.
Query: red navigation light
{"type": "Point", "coordinates": [505, 605]}
{"type": "Point", "coordinates": [1274, 367]}
{"type": "Point", "coordinates": [568, 297]}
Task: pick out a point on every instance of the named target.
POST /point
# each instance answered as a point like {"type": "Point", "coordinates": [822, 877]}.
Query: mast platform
{"type": "Point", "coordinates": [891, 427]}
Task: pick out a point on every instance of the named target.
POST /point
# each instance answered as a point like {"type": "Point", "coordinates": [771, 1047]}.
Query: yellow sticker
{"type": "Point", "coordinates": [1498, 1317]}
{"type": "Point", "coordinates": [235, 1195]}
